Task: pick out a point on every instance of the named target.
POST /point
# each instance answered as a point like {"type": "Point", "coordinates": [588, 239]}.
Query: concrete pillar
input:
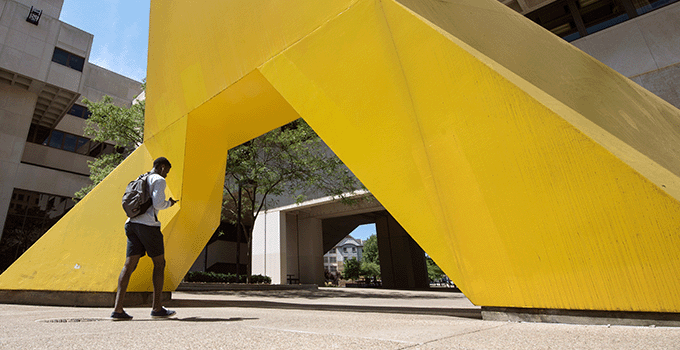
{"type": "Point", "coordinates": [270, 244]}
{"type": "Point", "coordinates": [305, 248]}
{"type": "Point", "coordinates": [402, 261]}
{"type": "Point", "coordinates": [15, 120]}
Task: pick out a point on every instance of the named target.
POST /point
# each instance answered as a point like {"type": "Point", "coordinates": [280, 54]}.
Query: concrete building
{"type": "Point", "coordinates": [44, 75]}
{"type": "Point", "coordinates": [638, 38]}
{"type": "Point", "coordinates": [348, 248]}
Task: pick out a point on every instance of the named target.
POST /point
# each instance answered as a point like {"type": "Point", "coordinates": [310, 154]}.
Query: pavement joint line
{"type": "Point", "coordinates": [72, 320]}
{"type": "Point", "coordinates": [453, 336]}
{"type": "Point", "coordinates": [333, 334]}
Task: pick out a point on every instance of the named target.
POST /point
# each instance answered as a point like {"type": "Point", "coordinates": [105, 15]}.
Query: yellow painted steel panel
{"type": "Point", "coordinates": [534, 175]}
{"type": "Point", "coordinates": [197, 50]}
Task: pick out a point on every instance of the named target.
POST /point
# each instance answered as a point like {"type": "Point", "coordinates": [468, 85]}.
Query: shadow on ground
{"type": "Point", "coordinates": [336, 293]}
{"type": "Point", "coordinates": [473, 313]}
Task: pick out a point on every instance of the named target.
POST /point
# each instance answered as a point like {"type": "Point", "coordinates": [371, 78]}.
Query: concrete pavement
{"type": "Point", "coordinates": [328, 318]}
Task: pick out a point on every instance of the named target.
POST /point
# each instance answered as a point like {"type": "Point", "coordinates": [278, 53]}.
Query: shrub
{"type": "Point", "coordinates": [215, 277]}
{"type": "Point", "coordinates": [260, 279]}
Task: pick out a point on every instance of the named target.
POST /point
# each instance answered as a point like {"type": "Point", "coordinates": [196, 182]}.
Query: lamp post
{"type": "Point", "coordinates": [238, 234]}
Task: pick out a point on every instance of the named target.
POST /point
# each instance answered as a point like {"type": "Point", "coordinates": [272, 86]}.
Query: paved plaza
{"type": "Point", "coordinates": [327, 318]}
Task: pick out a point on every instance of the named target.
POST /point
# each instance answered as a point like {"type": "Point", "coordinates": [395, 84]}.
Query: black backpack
{"type": "Point", "coordinates": [137, 199]}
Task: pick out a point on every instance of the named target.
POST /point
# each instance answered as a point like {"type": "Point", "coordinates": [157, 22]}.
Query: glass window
{"type": "Point", "coordinates": [70, 142]}
{"type": "Point", "coordinates": [68, 59]}
{"type": "Point", "coordinates": [83, 145]}
{"type": "Point", "coordinates": [56, 139]}
{"type": "Point", "coordinates": [60, 56]}
{"type": "Point", "coordinates": [25, 224]}
{"type": "Point", "coordinates": [556, 18]}
{"type": "Point", "coordinates": [644, 6]}
{"type": "Point", "coordinates": [80, 111]}
{"type": "Point", "coordinates": [598, 15]}
{"type": "Point", "coordinates": [38, 134]}
{"type": "Point", "coordinates": [76, 62]}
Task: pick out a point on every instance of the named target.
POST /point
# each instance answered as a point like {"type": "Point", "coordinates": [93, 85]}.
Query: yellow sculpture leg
{"type": "Point", "coordinates": [534, 175]}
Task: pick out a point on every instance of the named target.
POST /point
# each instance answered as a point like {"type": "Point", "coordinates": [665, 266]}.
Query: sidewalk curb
{"type": "Point", "coordinates": [210, 287]}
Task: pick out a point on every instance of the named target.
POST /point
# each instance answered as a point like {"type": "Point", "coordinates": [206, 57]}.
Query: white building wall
{"type": "Point", "coordinates": [269, 246]}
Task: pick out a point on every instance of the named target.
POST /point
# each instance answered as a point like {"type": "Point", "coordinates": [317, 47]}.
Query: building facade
{"type": "Point", "coordinates": [348, 248]}
{"type": "Point", "coordinates": [638, 38]}
{"type": "Point", "coordinates": [44, 76]}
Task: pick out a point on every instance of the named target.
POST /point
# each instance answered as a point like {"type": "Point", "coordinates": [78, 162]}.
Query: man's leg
{"type": "Point", "coordinates": [158, 279]}
{"type": "Point", "coordinates": [123, 280]}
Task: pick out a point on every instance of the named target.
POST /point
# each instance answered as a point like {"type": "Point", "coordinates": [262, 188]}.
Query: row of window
{"type": "Point", "coordinates": [68, 59]}
{"type": "Point", "coordinates": [30, 215]}
{"type": "Point", "coordinates": [344, 250]}
{"type": "Point", "coordinates": [80, 111]}
{"type": "Point", "coordinates": [68, 142]}
{"type": "Point", "coordinates": [573, 19]}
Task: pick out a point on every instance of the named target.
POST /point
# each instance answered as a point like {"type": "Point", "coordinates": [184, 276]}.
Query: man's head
{"type": "Point", "coordinates": [162, 166]}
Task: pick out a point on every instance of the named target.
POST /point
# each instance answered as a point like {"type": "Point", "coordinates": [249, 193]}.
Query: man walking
{"type": "Point", "coordinates": [144, 237]}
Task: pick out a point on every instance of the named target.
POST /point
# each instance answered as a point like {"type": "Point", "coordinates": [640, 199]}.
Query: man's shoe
{"type": "Point", "coordinates": [120, 316]}
{"type": "Point", "coordinates": [162, 313]}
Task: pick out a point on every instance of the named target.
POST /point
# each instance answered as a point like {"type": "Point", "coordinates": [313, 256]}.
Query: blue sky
{"type": "Point", "coordinates": [363, 231]}
{"type": "Point", "coordinates": [120, 29]}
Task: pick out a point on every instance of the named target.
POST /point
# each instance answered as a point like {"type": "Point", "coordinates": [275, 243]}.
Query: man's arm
{"type": "Point", "coordinates": [158, 194]}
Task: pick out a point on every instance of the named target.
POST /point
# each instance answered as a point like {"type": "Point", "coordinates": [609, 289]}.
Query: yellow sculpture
{"type": "Point", "coordinates": [534, 175]}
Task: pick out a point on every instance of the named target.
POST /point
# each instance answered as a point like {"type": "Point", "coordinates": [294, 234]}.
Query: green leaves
{"type": "Point", "coordinates": [370, 252]}
{"type": "Point", "coordinates": [352, 269]}
{"type": "Point", "coordinates": [108, 123]}
{"type": "Point", "coordinates": [290, 160]}
{"type": "Point", "coordinates": [124, 127]}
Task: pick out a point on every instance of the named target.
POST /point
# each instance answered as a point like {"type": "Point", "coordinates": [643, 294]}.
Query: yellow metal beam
{"type": "Point", "coordinates": [534, 175]}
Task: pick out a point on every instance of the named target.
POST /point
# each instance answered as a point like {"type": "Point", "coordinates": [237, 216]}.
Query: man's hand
{"type": "Point", "coordinates": [172, 201]}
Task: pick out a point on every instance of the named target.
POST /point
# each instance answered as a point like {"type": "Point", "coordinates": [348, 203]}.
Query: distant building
{"type": "Point", "coordinates": [44, 76]}
{"type": "Point", "coordinates": [348, 248]}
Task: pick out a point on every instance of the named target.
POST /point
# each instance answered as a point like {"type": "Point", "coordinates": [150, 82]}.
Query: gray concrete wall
{"type": "Point", "coordinates": [402, 261]}
{"type": "Point", "coordinates": [26, 61]}
{"type": "Point", "coordinates": [645, 49]}
{"type": "Point", "coordinates": [16, 111]}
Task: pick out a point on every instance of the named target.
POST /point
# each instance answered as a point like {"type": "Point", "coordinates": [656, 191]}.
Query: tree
{"type": "Point", "coordinates": [290, 160]}
{"type": "Point", "coordinates": [433, 271]}
{"type": "Point", "coordinates": [370, 263]}
{"type": "Point", "coordinates": [370, 269]}
{"type": "Point", "coordinates": [124, 127]}
{"type": "Point", "coordinates": [370, 252]}
{"type": "Point", "coordinates": [352, 269]}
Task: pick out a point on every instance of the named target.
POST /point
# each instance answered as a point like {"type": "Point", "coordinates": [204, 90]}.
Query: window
{"type": "Point", "coordinates": [573, 19]}
{"type": "Point", "coordinates": [644, 6]}
{"type": "Point", "coordinates": [354, 249]}
{"type": "Point", "coordinates": [69, 142]}
{"type": "Point", "coordinates": [333, 260]}
{"type": "Point", "coordinates": [344, 250]}
{"type": "Point", "coordinates": [68, 59]}
{"type": "Point", "coordinates": [80, 111]}
{"type": "Point", "coordinates": [28, 220]}
{"type": "Point", "coordinates": [56, 139]}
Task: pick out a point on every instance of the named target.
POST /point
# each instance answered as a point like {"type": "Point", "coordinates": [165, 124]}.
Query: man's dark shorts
{"type": "Point", "coordinates": [144, 239]}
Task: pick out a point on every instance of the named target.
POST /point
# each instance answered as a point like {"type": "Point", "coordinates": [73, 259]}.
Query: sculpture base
{"type": "Point", "coordinates": [586, 317]}
{"type": "Point", "coordinates": [71, 298]}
